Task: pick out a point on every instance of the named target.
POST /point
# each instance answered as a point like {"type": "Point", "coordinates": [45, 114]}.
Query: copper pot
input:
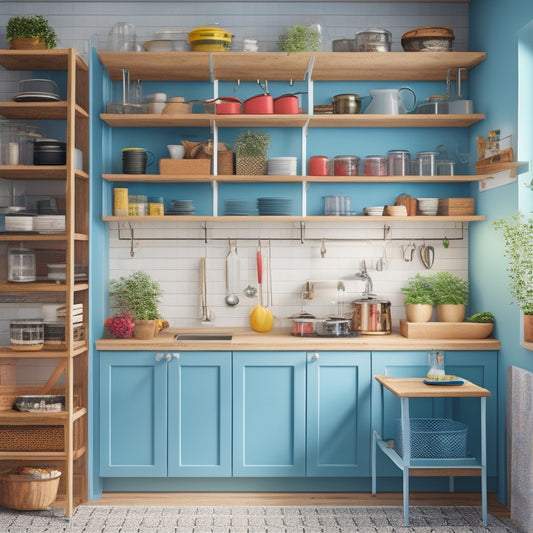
{"type": "Point", "coordinates": [371, 316]}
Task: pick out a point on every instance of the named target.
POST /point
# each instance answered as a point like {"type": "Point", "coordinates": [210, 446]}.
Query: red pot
{"type": "Point", "coordinates": [261, 104]}
{"type": "Point", "coordinates": [287, 104]}
{"type": "Point", "coordinates": [229, 106]}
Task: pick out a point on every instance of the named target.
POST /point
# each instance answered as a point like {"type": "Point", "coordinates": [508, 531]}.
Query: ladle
{"type": "Point", "coordinates": [232, 276]}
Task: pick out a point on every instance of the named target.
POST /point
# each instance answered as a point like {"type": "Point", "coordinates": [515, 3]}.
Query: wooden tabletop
{"type": "Point", "coordinates": [416, 388]}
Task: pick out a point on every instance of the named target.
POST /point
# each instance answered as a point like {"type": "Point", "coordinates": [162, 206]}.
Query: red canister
{"type": "Point", "coordinates": [318, 165]}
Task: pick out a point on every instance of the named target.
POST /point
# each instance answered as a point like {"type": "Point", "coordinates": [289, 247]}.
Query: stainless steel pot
{"type": "Point", "coordinates": [346, 104]}
{"type": "Point", "coordinates": [371, 316]}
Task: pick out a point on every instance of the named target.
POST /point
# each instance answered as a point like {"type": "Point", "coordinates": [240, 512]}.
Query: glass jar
{"type": "Point", "coordinates": [376, 165]}
{"type": "Point", "coordinates": [435, 365]}
{"type": "Point", "coordinates": [426, 163]}
{"type": "Point", "coordinates": [21, 265]}
{"type": "Point", "coordinates": [345, 165]}
{"type": "Point", "coordinates": [26, 332]}
{"type": "Point", "coordinates": [156, 206]}
{"type": "Point", "coordinates": [120, 202]}
{"type": "Point", "coordinates": [399, 162]}
{"type": "Point", "coordinates": [445, 168]}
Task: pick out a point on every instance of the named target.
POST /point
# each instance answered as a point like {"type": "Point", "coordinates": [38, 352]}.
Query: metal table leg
{"type": "Point", "coordinates": [406, 452]}
{"type": "Point", "coordinates": [484, 459]}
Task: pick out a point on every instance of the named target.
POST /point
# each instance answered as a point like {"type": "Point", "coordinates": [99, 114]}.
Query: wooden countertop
{"type": "Point", "coordinates": [416, 388]}
{"type": "Point", "coordinates": [244, 339]}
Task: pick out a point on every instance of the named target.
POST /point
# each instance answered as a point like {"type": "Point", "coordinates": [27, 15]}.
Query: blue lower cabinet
{"type": "Point", "coordinates": [165, 414]}
{"type": "Point", "coordinates": [338, 414]}
{"type": "Point", "coordinates": [269, 414]}
{"type": "Point", "coordinates": [199, 415]}
{"type": "Point", "coordinates": [133, 414]}
{"type": "Point", "coordinates": [480, 368]}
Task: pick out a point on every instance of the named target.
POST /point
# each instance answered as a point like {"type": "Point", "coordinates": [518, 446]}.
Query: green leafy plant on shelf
{"type": "Point", "coordinates": [252, 143]}
{"type": "Point", "coordinates": [418, 291]}
{"type": "Point", "coordinates": [449, 289]}
{"type": "Point", "coordinates": [26, 27]}
{"type": "Point", "coordinates": [137, 294]}
{"type": "Point", "coordinates": [517, 232]}
{"type": "Point", "coordinates": [301, 38]}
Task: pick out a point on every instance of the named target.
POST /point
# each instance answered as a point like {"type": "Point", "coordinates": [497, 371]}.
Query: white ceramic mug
{"type": "Point", "coordinates": [177, 151]}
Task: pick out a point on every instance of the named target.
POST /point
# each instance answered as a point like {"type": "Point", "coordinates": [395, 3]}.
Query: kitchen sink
{"type": "Point", "coordinates": [203, 337]}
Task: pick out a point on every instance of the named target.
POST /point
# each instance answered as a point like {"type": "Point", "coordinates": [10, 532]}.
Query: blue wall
{"type": "Point", "coordinates": [501, 29]}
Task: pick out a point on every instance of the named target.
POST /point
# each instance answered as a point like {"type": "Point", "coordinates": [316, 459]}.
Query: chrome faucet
{"type": "Point", "coordinates": [364, 276]}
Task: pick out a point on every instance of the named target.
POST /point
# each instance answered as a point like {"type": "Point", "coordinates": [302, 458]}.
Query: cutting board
{"type": "Point", "coordinates": [445, 330]}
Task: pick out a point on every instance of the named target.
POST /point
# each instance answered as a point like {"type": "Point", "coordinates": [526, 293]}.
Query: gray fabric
{"type": "Point", "coordinates": [256, 519]}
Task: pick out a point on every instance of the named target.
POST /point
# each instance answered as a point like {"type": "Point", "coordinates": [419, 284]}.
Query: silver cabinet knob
{"type": "Point", "coordinates": [159, 356]}
{"type": "Point", "coordinates": [315, 356]}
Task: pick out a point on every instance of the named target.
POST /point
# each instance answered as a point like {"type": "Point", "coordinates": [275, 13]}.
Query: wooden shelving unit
{"type": "Point", "coordinates": [70, 376]}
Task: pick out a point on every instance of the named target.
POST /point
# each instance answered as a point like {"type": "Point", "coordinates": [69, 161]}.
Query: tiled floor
{"type": "Point", "coordinates": [237, 519]}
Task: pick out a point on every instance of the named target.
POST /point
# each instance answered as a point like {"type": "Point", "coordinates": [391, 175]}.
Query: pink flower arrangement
{"type": "Point", "coordinates": [120, 326]}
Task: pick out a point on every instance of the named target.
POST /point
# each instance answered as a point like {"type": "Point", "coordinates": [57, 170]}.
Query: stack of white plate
{"type": "Point", "coordinates": [374, 211]}
{"type": "Point", "coordinates": [428, 206]}
{"type": "Point", "coordinates": [285, 166]}
{"type": "Point", "coordinates": [49, 223]}
{"type": "Point", "coordinates": [19, 222]}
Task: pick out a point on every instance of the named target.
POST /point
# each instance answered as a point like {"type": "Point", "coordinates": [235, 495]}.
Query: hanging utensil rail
{"type": "Point", "coordinates": [131, 237]}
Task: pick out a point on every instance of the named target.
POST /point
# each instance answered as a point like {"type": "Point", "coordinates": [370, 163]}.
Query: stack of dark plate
{"type": "Point", "coordinates": [237, 207]}
{"type": "Point", "coordinates": [274, 206]}
{"type": "Point", "coordinates": [180, 207]}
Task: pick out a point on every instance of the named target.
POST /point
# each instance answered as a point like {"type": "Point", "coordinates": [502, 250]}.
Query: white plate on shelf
{"type": "Point", "coordinates": [36, 97]}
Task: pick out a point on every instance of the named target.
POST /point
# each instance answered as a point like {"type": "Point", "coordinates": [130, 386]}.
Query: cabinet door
{"type": "Point", "coordinates": [338, 414]}
{"type": "Point", "coordinates": [199, 414]}
{"type": "Point", "coordinates": [133, 414]}
{"type": "Point", "coordinates": [478, 367]}
{"type": "Point", "coordinates": [269, 414]}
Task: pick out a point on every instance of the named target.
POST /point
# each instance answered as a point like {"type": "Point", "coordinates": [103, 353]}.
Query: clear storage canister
{"type": "Point", "coordinates": [376, 165]}
{"type": "Point", "coordinates": [399, 162]}
{"type": "Point", "coordinates": [445, 168]}
{"type": "Point", "coordinates": [345, 165]}
{"type": "Point", "coordinates": [426, 163]}
{"type": "Point", "coordinates": [21, 265]}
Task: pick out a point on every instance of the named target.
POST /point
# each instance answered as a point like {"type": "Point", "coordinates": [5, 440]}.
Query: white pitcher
{"type": "Point", "coordinates": [389, 101]}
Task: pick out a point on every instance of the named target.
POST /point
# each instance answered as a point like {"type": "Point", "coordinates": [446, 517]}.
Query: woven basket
{"type": "Point", "coordinates": [251, 166]}
{"type": "Point", "coordinates": [31, 438]}
{"type": "Point", "coordinates": [23, 494]}
{"type": "Point", "coordinates": [226, 166]}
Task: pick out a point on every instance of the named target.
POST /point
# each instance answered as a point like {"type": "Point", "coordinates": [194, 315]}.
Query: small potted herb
{"type": "Point", "coordinates": [30, 32]}
{"type": "Point", "coordinates": [418, 299]}
{"type": "Point", "coordinates": [451, 296]}
{"type": "Point", "coordinates": [301, 39]}
{"type": "Point", "coordinates": [139, 295]}
{"type": "Point", "coordinates": [518, 238]}
{"type": "Point", "coordinates": [251, 148]}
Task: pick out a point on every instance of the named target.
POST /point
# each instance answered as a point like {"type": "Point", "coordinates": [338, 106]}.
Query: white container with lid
{"type": "Point", "coordinates": [373, 40]}
{"type": "Point", "coordinates": [21, 265]}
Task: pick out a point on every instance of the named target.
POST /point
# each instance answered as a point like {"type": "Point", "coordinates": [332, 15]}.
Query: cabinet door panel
{"type": "Point", "coordinates": [133, 414]}
{"type": "Point", "coordinates": [199, 415]}
{"type": "Point", "coordinates": [269, 414]}
{"type": "Point", "coordinates": [338, 414]}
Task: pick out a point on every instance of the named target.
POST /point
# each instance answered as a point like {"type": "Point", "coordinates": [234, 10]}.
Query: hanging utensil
{"type": "Point", "coordinates": [427, 255]}
{"type": "Point", "coordinates": [408, 251]}
{"type": "Point", "coordinates": [206, 313]}
{"type": "Point", "coordinates": [232, 276]}
{"type": "Point", "coordinates": [261, 319]}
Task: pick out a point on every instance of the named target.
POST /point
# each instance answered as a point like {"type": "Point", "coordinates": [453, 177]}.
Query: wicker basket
{"type": "Point", "coordinates": [251, 166]}
{"type": "Point", "coordinates": [23, 494]}
{"type": "Point", "coordinates": [31, 438]}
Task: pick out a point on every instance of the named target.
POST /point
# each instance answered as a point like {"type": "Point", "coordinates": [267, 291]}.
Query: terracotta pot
{"type": "Point", "coordinates": [144, 329]}
{"type": "Point", "coordinates": [528, 328]}
{"type": "Point", "coordinates": [418, 312]}
{"type": "Point", "coordinates": [451, 313]}
{"type": "Point", "coordinates": [27, 43]}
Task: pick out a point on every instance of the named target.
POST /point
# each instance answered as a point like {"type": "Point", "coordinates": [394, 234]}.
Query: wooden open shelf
{"type": "Point", "coordinates": [39, 172]}
{"type": "Point", "coordinates": [230, 66]}
{"type": "Point", "coordinates": [38, 110]}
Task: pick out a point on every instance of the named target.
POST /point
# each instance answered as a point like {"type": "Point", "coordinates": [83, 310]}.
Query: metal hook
{"type": "Point", "coordinates": [323, 249]}
{"type": "Point", "coordinates": [237, 85]}
{"type": "Point", "coordinates": [291, 82]}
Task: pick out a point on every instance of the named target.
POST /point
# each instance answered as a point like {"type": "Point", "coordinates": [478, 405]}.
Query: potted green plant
{"type": "Point", "coordinates": [450, 294]}
{"type": "Point", "coordinates": [301, 38]}
{"type": "Point", "coordinates": [139, 295]}
{"type": "Point", "coordinates": [30, 32]}
{"type": "Point", "coordinates": [517, 232]}
{"type": "Point", "coordinates": [418, 299]}
{"type": "Point", "coordinates": [251, 148]}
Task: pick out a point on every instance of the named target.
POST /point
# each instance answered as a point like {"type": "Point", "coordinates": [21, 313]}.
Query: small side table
{"type": "Point", "coordinates": [405, 388]}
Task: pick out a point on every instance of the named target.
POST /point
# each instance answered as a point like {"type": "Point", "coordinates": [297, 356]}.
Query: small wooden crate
{"type": "Point", "coordinates": [185, 166]}
{"type": "Point", "coordinates": [23, 494]}
{"type": "Point", "coordinates": [456, 206]}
